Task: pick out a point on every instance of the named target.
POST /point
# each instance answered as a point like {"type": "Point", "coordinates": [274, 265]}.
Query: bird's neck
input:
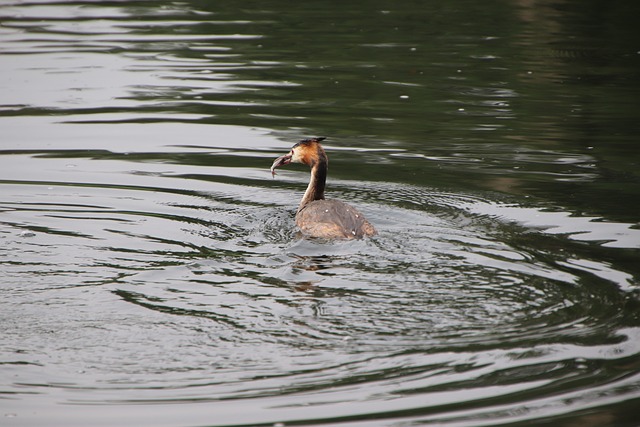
{"type": "Point", "coordinates": [315, 189]}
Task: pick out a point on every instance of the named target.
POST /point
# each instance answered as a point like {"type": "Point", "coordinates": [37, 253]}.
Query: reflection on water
{"type": "Point", "coordinates": [148, 257]}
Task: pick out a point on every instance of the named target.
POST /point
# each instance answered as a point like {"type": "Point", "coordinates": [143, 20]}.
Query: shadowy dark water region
{"type": "Point", "coordinates": [150, 270]}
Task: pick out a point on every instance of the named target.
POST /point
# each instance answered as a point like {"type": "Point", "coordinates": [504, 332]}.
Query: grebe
{"type": "Point", "coordinates": [317, 217]}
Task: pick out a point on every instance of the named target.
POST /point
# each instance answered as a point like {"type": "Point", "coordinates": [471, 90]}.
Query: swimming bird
{"type": "Point", "coordinates": [317, 216]}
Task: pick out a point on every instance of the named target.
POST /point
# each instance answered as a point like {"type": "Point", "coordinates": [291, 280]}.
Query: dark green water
{"type": "Point", "coordinates": [150, 271]}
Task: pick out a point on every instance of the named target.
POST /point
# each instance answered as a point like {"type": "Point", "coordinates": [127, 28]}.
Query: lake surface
{"type": "Point", "coordinates": [151, 273]}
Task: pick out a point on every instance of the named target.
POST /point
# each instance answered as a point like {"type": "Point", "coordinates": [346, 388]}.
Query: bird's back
{"type": "Point", "coordinates": [333, 219]}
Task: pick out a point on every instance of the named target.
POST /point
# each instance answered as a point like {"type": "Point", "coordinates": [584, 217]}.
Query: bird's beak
{"type": "Point", "coordinates": [280, 161]}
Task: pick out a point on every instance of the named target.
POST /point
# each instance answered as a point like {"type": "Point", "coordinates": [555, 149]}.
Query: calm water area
{"type": "Point", "coordinates": [150, 269]}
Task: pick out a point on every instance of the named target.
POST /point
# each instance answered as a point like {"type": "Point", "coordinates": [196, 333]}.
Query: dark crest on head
{"type": "Point", "coordinates": [310, 140]}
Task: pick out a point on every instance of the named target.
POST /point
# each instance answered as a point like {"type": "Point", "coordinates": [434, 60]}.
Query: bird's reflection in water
{"type": "Point", "coordinates": [318, 266]}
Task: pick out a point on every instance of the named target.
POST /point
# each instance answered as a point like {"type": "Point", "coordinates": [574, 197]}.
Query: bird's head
{"type": "Point", "coordinates": [308, 151]}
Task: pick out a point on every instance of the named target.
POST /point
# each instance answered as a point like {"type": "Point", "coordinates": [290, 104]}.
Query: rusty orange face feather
{"type": "Point", "coordinates": [305, 151]}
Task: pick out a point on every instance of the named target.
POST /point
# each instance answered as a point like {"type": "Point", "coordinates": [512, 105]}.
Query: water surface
{"type": "Point", "coordinates": [151, 271]}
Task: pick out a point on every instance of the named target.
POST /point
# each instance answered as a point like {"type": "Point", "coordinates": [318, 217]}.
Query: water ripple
{"type": "Point", "coordinates": [148, 257]}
